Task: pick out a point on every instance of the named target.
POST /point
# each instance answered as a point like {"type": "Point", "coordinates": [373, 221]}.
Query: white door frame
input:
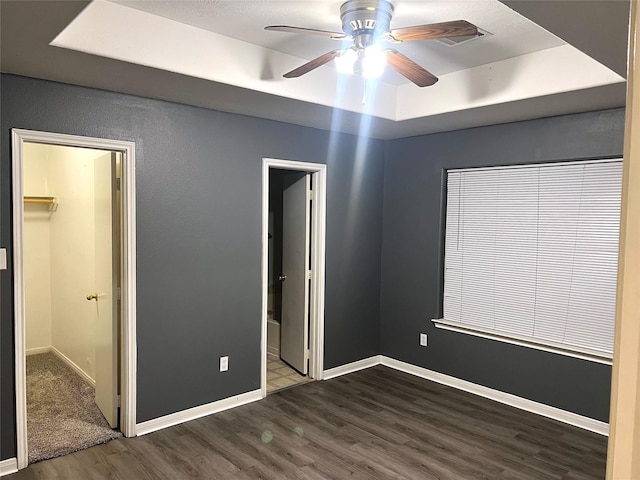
{"type": "Point", "coordinates": [128, 281]}
{"type": "Point", "coordinates": [318, 230]}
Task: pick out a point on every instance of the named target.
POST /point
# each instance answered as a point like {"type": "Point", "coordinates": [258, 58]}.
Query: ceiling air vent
{"type": "Point", "coordinates": [455, 41]}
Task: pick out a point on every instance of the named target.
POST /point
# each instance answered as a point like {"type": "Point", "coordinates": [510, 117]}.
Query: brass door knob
{"type": "Point", "coordinates": [92, 296]}
{"type": "Point", "coordinates": [282, 278]}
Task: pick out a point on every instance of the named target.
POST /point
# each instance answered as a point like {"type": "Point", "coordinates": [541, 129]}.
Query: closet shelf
{"type": "Point", "coordinates": [50, 201]}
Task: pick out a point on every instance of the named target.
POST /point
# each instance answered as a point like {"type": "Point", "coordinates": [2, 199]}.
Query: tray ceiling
{"type": "Point", "coordinates": [519, 71]}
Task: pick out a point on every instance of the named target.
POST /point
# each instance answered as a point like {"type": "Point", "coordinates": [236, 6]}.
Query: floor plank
{"type": "Point", "coordinates": [374, 424]}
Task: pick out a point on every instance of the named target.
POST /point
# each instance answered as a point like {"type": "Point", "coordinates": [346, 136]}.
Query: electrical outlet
{"type": "Point", "coordinates": [423, 339]}
{"type": "Point", "coordinates": [224, 364]}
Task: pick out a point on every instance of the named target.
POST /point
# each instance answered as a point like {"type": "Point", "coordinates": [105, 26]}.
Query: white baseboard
{"type": "Point", "coordinates": [352, 367]}
{"type": "Point", "coordinates": [75, 367]}
{"type": "Point", "coordinates": [8, 466]}
{"type": "Point", "coordinates": [508, 399]}
{"type": "Point", "coordinates": [502, 397]}
{"type": "Point", "coordinates": [197, 412]}
{"type": "Point", "coordinates": [38, 350]}
{"type": "Point", "coordinates": [486, 392]}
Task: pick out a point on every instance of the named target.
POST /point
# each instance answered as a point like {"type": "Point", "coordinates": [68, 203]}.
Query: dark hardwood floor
{"type": "Point", "coordinates": [373, 424]}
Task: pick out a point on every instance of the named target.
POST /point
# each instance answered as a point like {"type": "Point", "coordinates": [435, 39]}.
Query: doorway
{"type": "Point", "coordinates": [74, 298]}
{"type": "Point", "coordinates": [71, 260]}
{"type": "Point", "coordinates": [294, 206]}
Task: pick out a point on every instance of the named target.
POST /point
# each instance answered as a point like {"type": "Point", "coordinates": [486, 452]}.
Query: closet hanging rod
{"type": "Point", "coordinates": [51, 201]}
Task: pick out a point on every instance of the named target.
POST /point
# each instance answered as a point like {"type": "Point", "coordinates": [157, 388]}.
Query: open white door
{"type": "Point", "coordinates": [294, 327]}
{"type": "Point", "coordinates": [106, 277]}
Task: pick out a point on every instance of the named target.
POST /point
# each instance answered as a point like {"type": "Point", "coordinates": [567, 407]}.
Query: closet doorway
{"type": "Point", "coordinates": [74, 326]}
{"type": "Point", "coordinates": [293, 273]}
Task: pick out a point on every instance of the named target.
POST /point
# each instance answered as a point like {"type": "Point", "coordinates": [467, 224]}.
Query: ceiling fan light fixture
{"type": "Point", "coordinates": [345, 61]}
{"type": "Point", "coordinates": [368, 62]}
{"type": "Point", "coordinates": [373, 62]}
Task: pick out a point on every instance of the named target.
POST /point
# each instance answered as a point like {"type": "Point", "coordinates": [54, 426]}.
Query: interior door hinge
{"type": "Point", "coordinates": [119, 293]}
{"type": "Point", "coordinates": [119, 401]}
{"type": "Point", "coordinates": [310, 195]}
{"type": "Point", "coordinates": [118, 184]}
{"type": "Point", "coordinates": [308, 274]}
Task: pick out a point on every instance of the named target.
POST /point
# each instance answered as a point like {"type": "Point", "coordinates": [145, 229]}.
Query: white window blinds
{"type": "Point", "coordinates": [531, 253]}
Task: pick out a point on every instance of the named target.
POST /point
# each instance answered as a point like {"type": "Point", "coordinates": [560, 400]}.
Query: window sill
{"type": "Point", "coordinates": [593, 356]}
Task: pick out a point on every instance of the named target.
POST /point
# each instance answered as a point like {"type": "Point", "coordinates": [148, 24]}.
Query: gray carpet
{"type": "Point", "coordinates": [62, 416]}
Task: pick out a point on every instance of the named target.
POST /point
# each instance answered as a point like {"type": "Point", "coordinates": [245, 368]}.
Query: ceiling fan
{"type": "Point", "coordinates": [367, 23]}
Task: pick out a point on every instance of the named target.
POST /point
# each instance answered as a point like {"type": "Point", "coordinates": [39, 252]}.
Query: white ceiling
{"type": "Point", "coordinates": [216, 54]}
{"type": "Point", "coordinates": [512, 34]}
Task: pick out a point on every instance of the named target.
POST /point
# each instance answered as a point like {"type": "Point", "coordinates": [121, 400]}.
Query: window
{"type": "Point", "coordinates": [531, 255]}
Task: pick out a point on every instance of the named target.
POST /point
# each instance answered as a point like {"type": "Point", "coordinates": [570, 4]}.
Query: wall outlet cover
{"type": "Point", "coordinates": [224, 364]}
{"type": "Point", "coordinates": [423, 339]}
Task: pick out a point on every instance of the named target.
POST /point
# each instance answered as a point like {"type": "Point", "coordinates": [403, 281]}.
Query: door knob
{"type": "Point", "coordinates": [282, 278]}
{"type": "Point", "coordinates": [92, 296]}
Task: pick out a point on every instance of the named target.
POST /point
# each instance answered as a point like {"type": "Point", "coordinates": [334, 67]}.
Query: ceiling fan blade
{"type": "Point", "coordinates": [310, 31]}
{"type": "Point", "coordinates": [410, 69]}
{"type": "Point", "coordinates": [457, 28]}
{"type": "Point", "coordinates": [313, 64]}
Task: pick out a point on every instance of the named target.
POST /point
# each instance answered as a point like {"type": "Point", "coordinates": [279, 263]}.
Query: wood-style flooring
{"type": "Point", "coordinates": [373, 424]}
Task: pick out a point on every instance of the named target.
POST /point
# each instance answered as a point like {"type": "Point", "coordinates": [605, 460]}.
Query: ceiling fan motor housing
{"type": "Point", "coordinates": [366, 20]}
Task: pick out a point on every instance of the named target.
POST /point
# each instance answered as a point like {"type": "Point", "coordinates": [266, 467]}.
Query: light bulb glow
{"type": "Point", "coordinates": [369, 62]}
{"type": "Point", "coordinates": [374, 62]}
{"type": "Point", "coordinates": [344, 62]}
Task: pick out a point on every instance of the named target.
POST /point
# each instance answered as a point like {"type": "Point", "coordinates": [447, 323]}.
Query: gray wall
{"type": "Point", "coordinates": [412, 252]}
{"type": "Point", "coordinates": [199, 192]}
{"type": "Point", "coordinates": [199, 228]}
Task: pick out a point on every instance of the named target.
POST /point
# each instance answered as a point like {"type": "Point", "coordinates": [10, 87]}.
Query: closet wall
{"type": "Point", "coordinates": [37, 258]}
{"type": "Point", "coordinates": [60, 254]}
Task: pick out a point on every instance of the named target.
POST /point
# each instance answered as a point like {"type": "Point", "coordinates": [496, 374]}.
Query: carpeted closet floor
{"type": "Point", "coordinates": [62, 416]}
